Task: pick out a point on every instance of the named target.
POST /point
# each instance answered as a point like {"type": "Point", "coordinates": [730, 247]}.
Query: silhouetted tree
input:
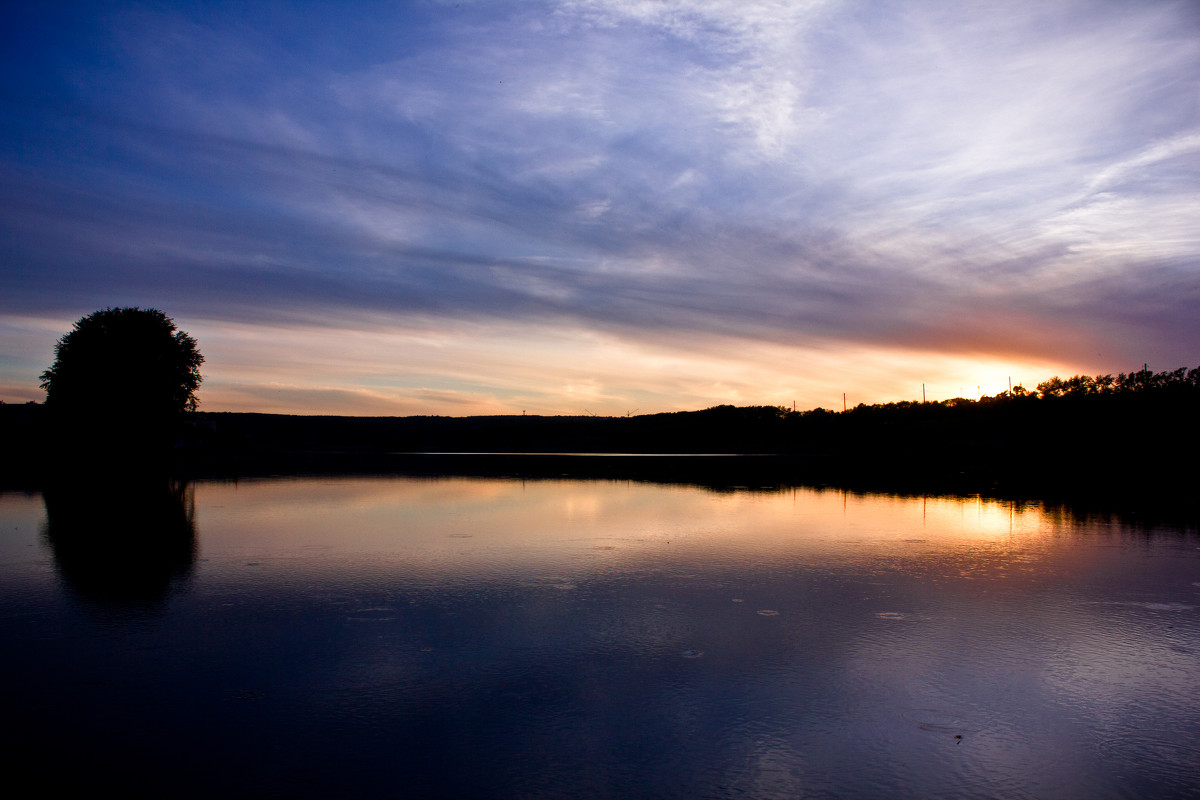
{"type": "Point", "coordinates": [123, 377]}
{"type": "Point", "coordinates": [1051, 388]}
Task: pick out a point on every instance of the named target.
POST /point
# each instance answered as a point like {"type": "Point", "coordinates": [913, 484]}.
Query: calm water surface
{"type": "Point", "coordinates": [394, 637]}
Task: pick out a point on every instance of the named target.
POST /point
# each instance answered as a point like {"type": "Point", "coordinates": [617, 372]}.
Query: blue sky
{"type": "Point", "coordinates": [606, 205]}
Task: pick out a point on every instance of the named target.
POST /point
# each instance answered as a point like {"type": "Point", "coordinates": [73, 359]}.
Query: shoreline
{"type": "Point", "coordinates": [1126, 452]}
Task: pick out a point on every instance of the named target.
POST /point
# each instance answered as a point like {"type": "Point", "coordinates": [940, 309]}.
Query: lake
{"type": "Point", "coordinates": [486, 637]}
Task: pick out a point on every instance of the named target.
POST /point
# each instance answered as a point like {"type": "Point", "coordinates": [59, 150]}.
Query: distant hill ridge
{"type": "Point", "coordinates": [1104, 431]}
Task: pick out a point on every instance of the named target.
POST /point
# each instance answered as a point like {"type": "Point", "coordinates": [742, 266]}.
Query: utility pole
{"type": "Point", "coordinates": [922, 394]}
{"type": "Point", "coordinates": [843, 402]}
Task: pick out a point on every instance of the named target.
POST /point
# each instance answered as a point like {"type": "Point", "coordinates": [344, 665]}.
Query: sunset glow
{"type": "Point", "coordinates": [606, 206]}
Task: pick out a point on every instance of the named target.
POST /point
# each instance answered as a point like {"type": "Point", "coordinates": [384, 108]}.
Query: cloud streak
{"type": "Point", "coordinates": [1013, 183]}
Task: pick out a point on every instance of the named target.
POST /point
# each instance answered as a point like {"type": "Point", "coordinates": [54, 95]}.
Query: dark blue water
{"type": "Point", "coordinates": [483, 638]}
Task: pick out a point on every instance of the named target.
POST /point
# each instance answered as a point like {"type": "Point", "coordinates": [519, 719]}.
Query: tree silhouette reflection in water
{"type": "Point", "coordinates": [379, 636]}
{"type": "Point", "coordinates": [122, 544]}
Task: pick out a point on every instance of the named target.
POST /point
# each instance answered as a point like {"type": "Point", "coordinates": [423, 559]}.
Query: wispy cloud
{"type": "Point", "coordinates": [1010, 182]}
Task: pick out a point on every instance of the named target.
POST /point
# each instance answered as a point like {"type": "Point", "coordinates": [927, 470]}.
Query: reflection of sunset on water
{"type": "Point", "coordinates": [457, 635]}
{"type": "Point", "coordinates": [536, 524]}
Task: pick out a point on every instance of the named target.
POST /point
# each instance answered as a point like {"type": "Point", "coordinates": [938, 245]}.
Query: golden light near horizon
{"type": "Point", "coordinates": [462, 369]}
{"type": "Point", "coordinates": [508, 370]}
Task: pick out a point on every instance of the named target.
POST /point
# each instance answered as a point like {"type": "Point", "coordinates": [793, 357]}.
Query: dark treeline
{"type": "Point", "coordinates": [1132, 432]}
{"type": "Point", "coordinates": [1142, 381]}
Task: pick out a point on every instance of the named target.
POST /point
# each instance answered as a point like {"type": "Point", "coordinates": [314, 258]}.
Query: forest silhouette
{"type": "Point", "coordinates": [1134, 431]}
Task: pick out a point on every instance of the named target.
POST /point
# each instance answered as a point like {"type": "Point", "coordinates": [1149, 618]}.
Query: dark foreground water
{"type": "Point", "coordinates": [392, 637]}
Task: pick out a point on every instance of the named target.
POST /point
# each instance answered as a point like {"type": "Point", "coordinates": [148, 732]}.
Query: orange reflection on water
{"type": "Point", "coordinates": [453, 524]}
{"type": "Point", "coordinates": [699, 642]}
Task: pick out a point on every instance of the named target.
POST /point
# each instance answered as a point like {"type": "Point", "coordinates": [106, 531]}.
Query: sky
{"type": "Point", "coordinates": [605, 206]}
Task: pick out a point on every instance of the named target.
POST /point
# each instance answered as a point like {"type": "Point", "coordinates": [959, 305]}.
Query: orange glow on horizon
{"type": "Point", "coordinates": [464, 369]}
